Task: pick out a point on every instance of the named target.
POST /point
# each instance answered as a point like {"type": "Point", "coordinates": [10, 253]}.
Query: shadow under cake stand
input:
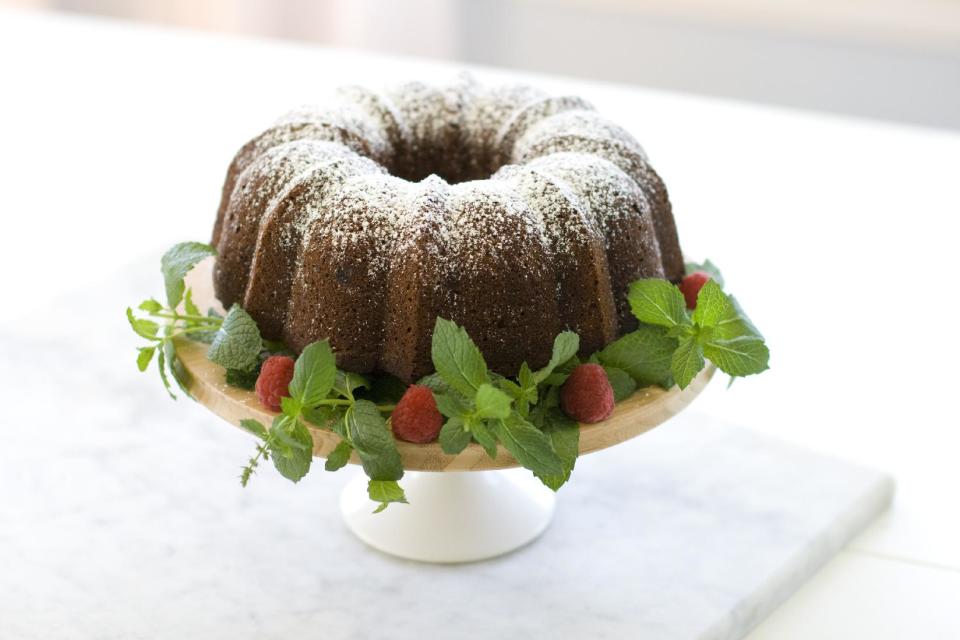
{"type": "Point", "coordinates": [455, 514]}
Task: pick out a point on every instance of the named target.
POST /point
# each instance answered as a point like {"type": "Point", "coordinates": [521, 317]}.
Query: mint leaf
{"type": "Point", "coordinates": [565, 346]}
{"type": "Point", "coordinates": [237, 343]}
{"type": "Point", "coordinates": [687, 361]}
{"type": "Point", "coordinates": [339, 457]}
{"type": "Point", "coordinates": [367, 429]}
{"type": "Point", "coordinates": [484, 437]}
{"type": "Point", "coordinates": [734, 323]}
{"type": "Point", "coordinates": [530, 446]}
{"type": "Point", "coordinates": [451, 404]}
{"type": "Point", "coordinates": [454, 438]}
{"type": "Point", "coordinates": [144, 357]}
{"type": "Point", "coordinates": [313, 374]}
{"type": "Point", "coordinates": [528, 383]}
{"type": "Point", "coordinates": [254, 427]}
{"type": "Point", "coordinates": [337, 423]}
{"type": "Point", "coordinates": [242, 379]}
{"type": "Point", "coordinates": [561, 373]}
{"type": "Point", "coordinates": [707, 267]}
{"type": "Point", "coordinates": [188, 304]}
{"type": "Point", "coordinates": [292, 450]}
{"type": "Point", "coordinates": [621, 381]}
{"type": "Point", "coordinates": [206, 336]}
{"type": "Point", "coordinates": [373, 442]}
{"type": "Point", "coordinates": [286, 435]}
{"type": "Point", "coordinates": [141, 326]}
{"type": "Point", "coordinates": [150, 306]}
{"type": "Point", "coordinates": [456, 358]}
{"type": "Point", "coordinates": [515, 390]}
{"type": "Point", "coordinates": [564, 434]}
{"type": "Point", "coordinates": [550, 400]}
{"type": "Point", "coordinates": [319, 416]}
{"type": "Point", "coordinates": [177, 371]}
{"type": "Point", "coordinates": [433, 382]}
{"type": "Point", "coordinates": [346, 382]}
{"type": "Point", "coordinates": [290, 406]}
{"type": "Point", "coordinates": [162, 366]}
{"type": "Point", "coordinates": [712, 305]}
{"type": "Point", "coordinates": [741, 356]}
{"type": "Point", "coordinates": [177, 262]}
{"type": "Point", "coordinates": [658, 302]}
{"type": "Point", "coordinates": [491, 402]}
{"type": "Point", "coordinates": [645, 354]}
{"type": "Point", "coordinates": [525, 393]}
{"type": "Point", "coordinates": [385, 492]}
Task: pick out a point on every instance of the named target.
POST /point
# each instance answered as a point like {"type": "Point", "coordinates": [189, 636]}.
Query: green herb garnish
{"type": "Point", "coordinates": [522, 414]}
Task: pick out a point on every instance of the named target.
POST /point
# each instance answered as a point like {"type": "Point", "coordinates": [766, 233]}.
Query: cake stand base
{"type": "Point", "coordinates": [452, 517]}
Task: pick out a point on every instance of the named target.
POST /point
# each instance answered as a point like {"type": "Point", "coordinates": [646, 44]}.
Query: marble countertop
{"type": "Point", "coordinates": [122, 517]}
{"type": "Point", "coordinates": [115, 140]}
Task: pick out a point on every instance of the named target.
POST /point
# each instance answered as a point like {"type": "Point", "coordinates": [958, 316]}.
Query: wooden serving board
{"type": "Point", "coordinates": [644, 410]}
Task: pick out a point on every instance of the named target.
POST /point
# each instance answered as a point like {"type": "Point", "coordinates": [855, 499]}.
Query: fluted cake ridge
{"type": "Point", "coordinates": [513, 213]}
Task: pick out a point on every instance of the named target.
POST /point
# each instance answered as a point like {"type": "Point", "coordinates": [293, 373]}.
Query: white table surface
{"type": "Point", "coordinates": [838, 235]}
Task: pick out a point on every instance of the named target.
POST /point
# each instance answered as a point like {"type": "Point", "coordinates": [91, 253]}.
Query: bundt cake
{"type": "Point", "coordinates": [515, 214]}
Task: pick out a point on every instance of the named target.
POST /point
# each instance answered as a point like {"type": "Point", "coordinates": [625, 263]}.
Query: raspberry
{"type": "Point", "coordinates": [415, 418]}
{"type": "Point", "coordinates": [275, 376]}
{"type": "Point", "coordinates": [691, 285]}
{"type": "Point", "coordinates": [587, 396]}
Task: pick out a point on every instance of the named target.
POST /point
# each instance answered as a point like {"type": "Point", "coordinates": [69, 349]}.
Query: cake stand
{"type": "Point", "coordinates": [455, 513]}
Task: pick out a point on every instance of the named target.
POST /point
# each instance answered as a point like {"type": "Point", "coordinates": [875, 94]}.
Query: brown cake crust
{"type": "Point", "coordinates": [515, 214]}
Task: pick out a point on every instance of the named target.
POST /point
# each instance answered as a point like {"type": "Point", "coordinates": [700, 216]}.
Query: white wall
{"type": "Point", "coordinates": [890, 59]}
{"type": "Point", "coordinates": [888, 76]}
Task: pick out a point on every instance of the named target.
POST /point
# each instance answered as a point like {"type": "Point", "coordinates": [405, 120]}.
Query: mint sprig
{"type": "Point", "coordinates": [492, 410]}
{"type": "Point", "coordinates": [167, 322]}
{"type": "Point", "coordinates": [324, 396]}
{"type": "Point", "coordinates": [235, 341]}
{"type": "Point", "coordinates": [672, 345]}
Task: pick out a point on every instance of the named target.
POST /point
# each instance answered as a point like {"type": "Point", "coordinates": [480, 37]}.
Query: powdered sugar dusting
{"type": "Point", "coordinates": [574, 175]}
{"type": "Point", "coordinates": [604, 191]}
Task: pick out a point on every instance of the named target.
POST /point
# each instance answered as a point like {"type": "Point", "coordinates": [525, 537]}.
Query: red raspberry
{"type": "Point", "coordinates": [587, 396]}
{"type": "Point", "coordinates": [275, 376]}
{"type": "Point", "coordinates": [691, 285]}
{"type": "Point", "coordinates": [415, 418]}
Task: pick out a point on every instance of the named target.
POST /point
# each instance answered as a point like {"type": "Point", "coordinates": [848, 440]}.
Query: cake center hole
{"type": "Point", "coordinates": [454, 162]}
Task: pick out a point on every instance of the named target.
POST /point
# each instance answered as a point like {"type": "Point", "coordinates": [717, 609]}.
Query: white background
{"type": "Point", "coordinates": [891, 59]}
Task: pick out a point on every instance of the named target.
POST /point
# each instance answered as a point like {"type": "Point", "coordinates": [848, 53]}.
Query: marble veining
{"type": "Point", "coordinates": [121, 516]}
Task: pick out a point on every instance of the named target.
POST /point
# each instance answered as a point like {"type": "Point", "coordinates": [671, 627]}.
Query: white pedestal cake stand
{"type": "Point", "coordinates": [455, 514]}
